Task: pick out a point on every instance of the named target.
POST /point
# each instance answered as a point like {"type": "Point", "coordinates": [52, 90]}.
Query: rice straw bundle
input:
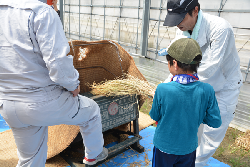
{"type": "Point", "coordinates": [244, 141]}
{"type": "Point", "coordinates": [128, 86]}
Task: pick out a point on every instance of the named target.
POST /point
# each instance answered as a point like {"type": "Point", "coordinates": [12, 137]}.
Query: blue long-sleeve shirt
{"type": "Point", "coordinates": [179, 110]}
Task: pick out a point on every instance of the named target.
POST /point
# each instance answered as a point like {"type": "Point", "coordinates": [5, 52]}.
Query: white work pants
{"type": "Point", "coordinates": [29, 123]}
{"type": "Point", "coordinates": [210, 138]}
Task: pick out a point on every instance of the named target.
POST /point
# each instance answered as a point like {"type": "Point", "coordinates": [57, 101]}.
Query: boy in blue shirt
{"type": "Point", "coordinates": [180, 106]}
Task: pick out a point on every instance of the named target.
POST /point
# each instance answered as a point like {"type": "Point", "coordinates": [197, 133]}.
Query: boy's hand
{"type": "Point", "coordinates": [76, 91]}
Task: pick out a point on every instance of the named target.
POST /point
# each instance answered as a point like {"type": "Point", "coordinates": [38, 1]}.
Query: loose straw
{"type": "Point", "coordinates": [244, 141]}
{"type": "Point", "coordinates": [128, 86]}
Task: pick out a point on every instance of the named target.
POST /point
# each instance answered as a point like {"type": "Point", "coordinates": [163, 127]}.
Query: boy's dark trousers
{"type": "Point", "coordinates": [161, 159]}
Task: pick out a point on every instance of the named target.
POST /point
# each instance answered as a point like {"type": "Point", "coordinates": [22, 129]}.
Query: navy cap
{"type": "Point", "coordinates": [177, 10]}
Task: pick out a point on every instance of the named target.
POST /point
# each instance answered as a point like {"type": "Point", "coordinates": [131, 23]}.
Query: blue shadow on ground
{"type": "Point", "coordinates": [131, 157]}
{"type": "Point", "coordinates": [3, 125]}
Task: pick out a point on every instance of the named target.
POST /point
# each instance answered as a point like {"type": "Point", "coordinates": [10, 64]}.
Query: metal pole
{"type": "Point", "coordinates": [145, 27]}
{"type": "Point", "coordinates": [104, 18]}
{"type": "Point", "coordinates": [220, 8]}
{"type": "Point", "coordinates": [61, 12]}
{"type": "Point", "coordinates": [91, 14]}
{"type": "Point", "coordinates": [69, 19]}
{"type": "Point", "coordinates": [158, 30]}
{"type": "Point", "coordinates": [119, 34]}
{"type": "Point", "coordinates": [79, 19]}
{"type": "Point", "coordinates": [136, 43]}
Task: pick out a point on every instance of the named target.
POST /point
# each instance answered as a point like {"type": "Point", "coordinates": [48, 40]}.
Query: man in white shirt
{"type": "Point", "coordinates": [220, 65]}
{"type": "Point", "coordinates": [39, 85]}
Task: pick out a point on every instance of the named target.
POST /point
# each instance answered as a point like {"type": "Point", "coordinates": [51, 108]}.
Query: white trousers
{"type": "Point", "coordinates": [210, 138]}
{"type": "Point", "coordinates": [29, 123]}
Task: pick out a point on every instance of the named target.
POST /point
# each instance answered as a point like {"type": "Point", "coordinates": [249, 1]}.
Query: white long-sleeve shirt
{"type": "Point", "coordinates": [220, 64]}
{"type": "Point", "coordinates": [33, 51]}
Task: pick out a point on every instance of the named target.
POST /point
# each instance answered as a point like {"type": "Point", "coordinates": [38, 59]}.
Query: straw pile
{"type": "Point", "coordinates": [128, 86]}
{"type": "Point", "coordinates": [244, 141]}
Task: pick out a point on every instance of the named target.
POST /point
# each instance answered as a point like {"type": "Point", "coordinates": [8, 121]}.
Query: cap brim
{"type": "Point", "coordinates": [173, 19]}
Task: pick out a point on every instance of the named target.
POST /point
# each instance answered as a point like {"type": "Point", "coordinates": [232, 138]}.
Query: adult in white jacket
{"type": "Point", "coordinates": [39, 85]}
{"type": "Point", "coordinates": [220, 66]}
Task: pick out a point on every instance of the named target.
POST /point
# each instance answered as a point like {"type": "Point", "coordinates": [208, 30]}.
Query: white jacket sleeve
{"type": "Point", "coordinates": [216, 51]}
{"type": "Point", "coordinates": [54, 48]}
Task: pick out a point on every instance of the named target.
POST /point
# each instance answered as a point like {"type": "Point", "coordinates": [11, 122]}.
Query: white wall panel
{"type": "Point", "coordinates": [241, 20]}
{"type": "Point", "coordinates": [237, 5]}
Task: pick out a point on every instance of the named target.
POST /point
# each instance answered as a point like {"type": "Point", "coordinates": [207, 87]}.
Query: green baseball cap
{"type": "Point", "coordinates": [183, 49]}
